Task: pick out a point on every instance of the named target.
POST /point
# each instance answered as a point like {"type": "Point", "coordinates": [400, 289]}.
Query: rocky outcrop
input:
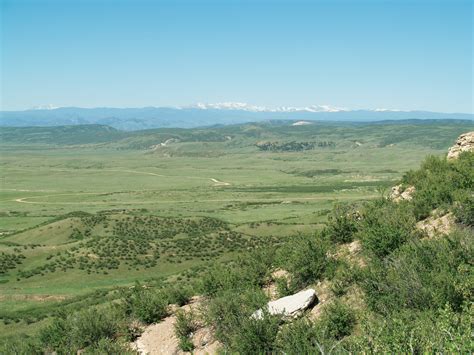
{"type": "Point", "coordinates": [465, 143]}
{"type": "Point", "coordinates": [437, 225]}
{"type": "Point", "coordinates": [289, 306]}
{"type": "Point", "coordinates": [398, 194]}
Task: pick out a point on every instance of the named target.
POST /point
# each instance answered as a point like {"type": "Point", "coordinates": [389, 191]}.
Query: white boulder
{"type": "Point", "coordinates": [289, 306]}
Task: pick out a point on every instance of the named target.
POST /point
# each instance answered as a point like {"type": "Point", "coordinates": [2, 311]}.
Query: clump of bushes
{"type": "Point", "coordinates": [21, 345]}
{"type": "Point", "coordinates": [338, 320]}
{"type": "Point", "coordinates": [250, 271]}
{"type": "Point", "coordinates": [323, 336]}
{"type": "Point", "coordinates": [421, 275]}
{"type": "Point", "coordinates": [257, 336]}
{"type": "Point", "coordinates": [464, 208]}
{"type": "Point", "coordinates": [304, 256]}
{"type": "Point", "coordinates": [438, 181]}
{"type": "Point", "coordinates": [146, 305]}
{"type": "Point", "coordinates": [83, 329]}
{"type": "Point", "coordinates": [285, 286]}
{"type": "Point", "coordinates": [432, 331]}
{"type": "Point", "coordinates": [344, 276]}
{"type": "Point", "coordinates": [385, 226]}
{"type": "Point", "coordinates": [184, 327]}
{"type": "Point", "coordinates": [229, 311]}
{"type": "Point", "coordinates": [342, 224]}
{"type": "Point", "coordinates": [180, 295]}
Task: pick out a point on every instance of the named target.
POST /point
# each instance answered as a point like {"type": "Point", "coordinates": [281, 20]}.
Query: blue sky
{"type": "Point", "coordinates": [410, 55]}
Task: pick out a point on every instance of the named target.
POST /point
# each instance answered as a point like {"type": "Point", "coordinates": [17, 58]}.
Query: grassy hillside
{"type": "Point", "coordinates": [431, 133]}
{"type": "Point", "coordinates": [61, 135]}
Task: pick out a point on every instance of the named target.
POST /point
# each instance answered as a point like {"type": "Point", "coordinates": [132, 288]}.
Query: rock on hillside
{"type": "Point", "coordinates": [437, 225]}
{"type": "Point", "coordinates": [289, 306]}
{"type": "Point", "coordinates": [398, 194]}
{"type": "Point", "coordinates": [465, 143]}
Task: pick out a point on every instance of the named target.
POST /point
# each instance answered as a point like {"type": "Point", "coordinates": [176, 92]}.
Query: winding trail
{"type": "Point", "coordinates": [216, 183]}
{"type": "Point", "coordinates": [281, 200]}
{"type": "Point", "coordinates": [26, 199]}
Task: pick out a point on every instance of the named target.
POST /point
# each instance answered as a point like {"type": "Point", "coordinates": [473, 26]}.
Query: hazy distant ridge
{"type": "Point", "coordinates": [156, 117]}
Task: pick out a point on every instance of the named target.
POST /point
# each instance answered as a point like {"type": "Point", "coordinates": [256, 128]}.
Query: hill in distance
{"type": "Point", "coordinates": [203, 115]}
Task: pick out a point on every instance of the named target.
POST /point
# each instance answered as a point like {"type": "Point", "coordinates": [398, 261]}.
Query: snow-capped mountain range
{"type": "Point", "coordinates": [253, 108]}
{"type": "Point", "coordinates": [205, 115]}
{"type": "Point", "coordinates": [242, 106]}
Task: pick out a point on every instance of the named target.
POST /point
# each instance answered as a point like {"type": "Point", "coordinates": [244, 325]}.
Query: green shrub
{"type": "Point", "coordinates": [146, 305]}
{"type": "Point", "coordinates": [421, 275]}
{"type": "Point", "coordinates": [343, 278]}
{"type": "Point", "coordinates": [440, 331]}
{"type": "Point", "coordinates": [184, 326]}
{"type": "Point", "coordinates": [386, 226]}
{"type": "Point", "coordinates": [108, 347]}
{"type": "Point", "coordinates": [217, 279]}
{"type": "Point", "coordinates": [257, 336]}
{"type": "Point", "coordinates": [305, 337]}
{"type": "Point", "coordinates": [91, 325]}
{"type": "Point", "coordinates": [228, 310]}
{"type": "Point", "coordinates": [54, 336]}
{"type": "Point", "coordinates": [20, 345]}
{"type": "Point", "coordinates": [464, 208]}
{"type": "Point", "coordinates": [438, 181]}
{"type": "Point", "coordinates": [82, 329]}
{"type": "Point", "coordinates": [250, 271]}
{"type": "Point", "coordinates": [305, 258]}
{"type": "Point", "coordinates": [342, 224]}
{"type": "Point", "coordinates": [338, 320]}
{"type": "Point", "coordinates": [180, 295]}
{"type": "Point", "coordinates": [284, 287]}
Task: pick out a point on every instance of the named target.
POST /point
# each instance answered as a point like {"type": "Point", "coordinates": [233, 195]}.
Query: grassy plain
{"type": "Point", "coordinates": [220, 173]}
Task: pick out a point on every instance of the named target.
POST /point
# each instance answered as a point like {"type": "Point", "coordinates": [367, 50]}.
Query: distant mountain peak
{"type": "Point", "coordinates": [45, 107]}
{"type": "Point", "coordinates": [242, 106]}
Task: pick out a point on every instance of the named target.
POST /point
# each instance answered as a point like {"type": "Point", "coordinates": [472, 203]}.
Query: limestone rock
{"type": "Point", "coordinates": [289, 306]}
{"type": "Point", "coordinates": [434, 225]}
{"type": "Point", "coordinates": [397, 194]}
{"type": "Point", "coordinates": [465, 143]}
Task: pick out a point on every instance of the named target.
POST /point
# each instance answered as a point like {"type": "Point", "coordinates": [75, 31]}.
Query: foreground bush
{"type": "Point", "coordinates": [146, 305]}
{"type": "Point", "coordinates": [438, 181]}
{"type": "Point", "coordinates": [300, 337]}
{"type": "Point", "coordinates": [441, 331]}
{"type": "Point", "coordinates": [338, 321]}
{"type": "Point", "coordinates": [20, 345]}
{"type": "Point", "coordinates": [342, 224]}
{"type": "Point", "coordinates": [385, 226]}
{"type": "Point", "coordinates": [464, 208]}
{"type": "Point", "coordinates": [184, 326]}
{"type": "Point", "coordinates": [229, 311]}
{"type": "Point", "coordinates": [422, 275]}
{"type": "Point", "coordinates": [323, 336]}
{"type": "Point", "coordinates": [82, 329]}
{"type": "Point", "coordinates": [304, 256]}
{"type": "Point", "coordinates": [109, 347]}
{"type": "Point", "coordinates": [250, 271]}
{"type": "Point", "coordinates": [257, 336]}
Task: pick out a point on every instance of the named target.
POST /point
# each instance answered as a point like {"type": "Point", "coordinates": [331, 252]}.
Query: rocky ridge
{"type": "Point", "coordinates": [465, 143]}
